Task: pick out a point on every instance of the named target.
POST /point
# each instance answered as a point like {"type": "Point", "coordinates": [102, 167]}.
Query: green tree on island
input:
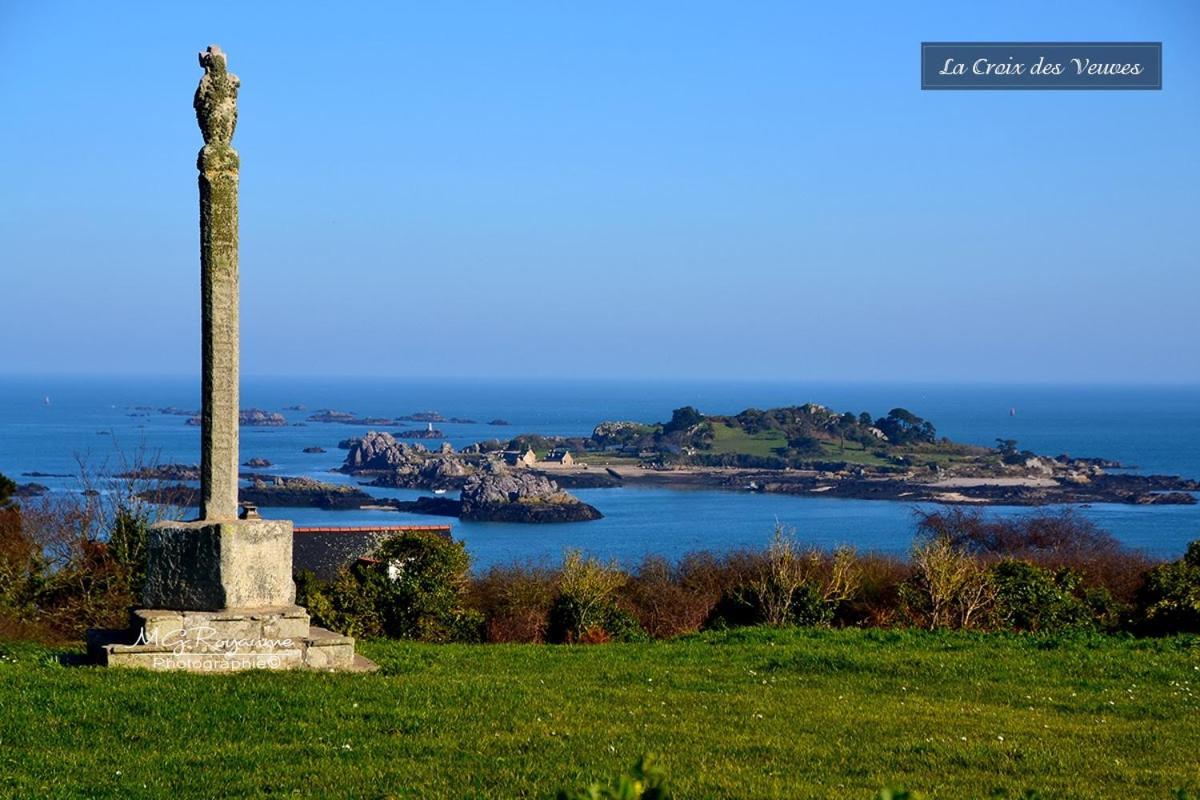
{"type": "Point", "coordinates": [901, 426]}
{"type": "Point", "coordinates": [682, 419]}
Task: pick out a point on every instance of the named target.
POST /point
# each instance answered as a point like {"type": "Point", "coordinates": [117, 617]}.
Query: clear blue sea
{"type": "Point", "coordinates": [1155, 429]}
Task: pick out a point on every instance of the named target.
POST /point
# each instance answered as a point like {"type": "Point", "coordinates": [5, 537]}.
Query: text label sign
{"type": "Point", "coordinates": [1041, 65]}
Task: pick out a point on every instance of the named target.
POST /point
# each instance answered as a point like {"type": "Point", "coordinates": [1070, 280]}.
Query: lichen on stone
{"type": "Point", "coordinates": [216, 98]}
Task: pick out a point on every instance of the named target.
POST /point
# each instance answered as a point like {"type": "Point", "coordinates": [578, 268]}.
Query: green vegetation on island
{"type": "Point", "coordinates": [795, 437]}
{"type": "Point", "coordinates": [811, 448]}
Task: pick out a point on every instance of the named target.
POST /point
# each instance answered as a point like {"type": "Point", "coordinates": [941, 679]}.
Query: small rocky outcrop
{"type": "Point", "coordinates": [256, 417]}
{"type": "Point", "coordinates": [164, 472]}
{"type": "Point", "coordinates": [499, 421]}
{"type": "Point", "coordinates": [275, 492]}
{"type": "Point", "coordinates": [434, 506]}
{"type": "Point", "coordinates": [486, 446]}
{"type": "Point", "coordinates": [1164, 499]}
{"type": "Point", "coordinates": [375, 452]}
{"type": "Point", "coordinates": [441, 472]}
{"type": "Point", "coordinates": [423, 416]}
{"type": "Point", "coordinates": [258, 463]}
{"type": "Point", "coordinates": [314, 450]}
{"type": "Point", "coordinates": [27, 490]}
{"type": "Point", "coordinates": [346, 418]}
{"type": "Point", "coordinates": [427, 472]}
{"type": "Point", "coordinates": [497, 495]}
{"type": "Point", "coordinates": [304, 492]}
{"type": "Point", "coordinates": [427, 433]}
{"type": "Point", "coordinates": [329, 415]}
{"type": "Point", "coordinates": [253, 418]}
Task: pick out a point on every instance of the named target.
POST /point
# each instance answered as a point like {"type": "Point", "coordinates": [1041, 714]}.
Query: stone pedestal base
{"type": "Point", "coordinates": [213, 565]}
{"type": "Point", "coordinates": [226, 640]}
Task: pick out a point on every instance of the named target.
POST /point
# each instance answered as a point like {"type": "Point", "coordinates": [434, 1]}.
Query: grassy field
{"type": "Point", "coordinates": [852, 453]}
{"type": "Point", "coordinates": [727, 439]}
{"type": "Point", "coordinates": [746, 714]}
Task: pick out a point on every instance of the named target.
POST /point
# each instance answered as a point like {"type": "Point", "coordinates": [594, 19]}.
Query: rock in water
{"type": "Point", "coordinates": [258, 417]}
{"type": "Point", "coordinates": [497, 495]}
{"type": "Point", "coordinates": [375, 451]}
{"type": "Point", "coordinates": [253, 417]}
{"type": "Point", "coordinates": [423, 471]}
{"type": "Point", "coordinates": [278, 492]}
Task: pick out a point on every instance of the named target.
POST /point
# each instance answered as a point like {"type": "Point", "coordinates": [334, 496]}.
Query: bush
{"type": "Point", "coordinates": [1169, 602]}
{"type": "Point", "coordinates": [772, 588]}
{"type": "Point", "coordinates": [348, 604]}
{"type": "Point", "coordinates": [877, 601]}
{"type": "Point", "coordinates": [673, 600]}
{"type": "Point", "coordinates": [809, 608]}
{"type": "Point", "coordinates": [22, 568]}
{"type": "Point", "coordinates": [515, 602]}
{"type": "Point", "coordinates": [84, 564]}
{"type": "Point", "coordinates": [1030, 598]}
{"type": "Point", "coordinates": [790, 586]}
{"type": "Point", "coordinates": [423, 579]}
{"type": "Point", "coordinates": [1055, 541]}
{"type": "Point", "coordinates": [586, 608]}
{"type": "Point", "coordinates": [949, 587]}
{"type": "Point", "coordinates": [413, 588]}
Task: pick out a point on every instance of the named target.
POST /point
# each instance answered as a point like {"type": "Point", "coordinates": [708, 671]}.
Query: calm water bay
{"type": "Point", "coordinates": [1155, 429]}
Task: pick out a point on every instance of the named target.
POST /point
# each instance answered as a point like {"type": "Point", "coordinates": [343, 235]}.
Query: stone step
{"type": "Point", "coordinates": [363, 664]}
{"type": "Point", "coordinates": [161, 659]}
{"type": "Point", "coordinates": [328, 650]}
{"type": "Point", "coordinates": [279, 623]}
{"type": "Point", "coordinates": [227, 640]}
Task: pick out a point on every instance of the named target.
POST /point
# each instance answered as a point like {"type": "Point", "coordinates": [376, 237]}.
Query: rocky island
{"type": "Point", "coordinates": [329, 415]}
{"type": "Point", "coordinates": [422, 433]}
{"type": "Point", "coordinates": [253, 417]}
{"type": "Point", "coordinates": [811, 449]}
{"type": "Point", "coordinates": [489, 490]}
{"type": "Point", "coordinates": [497, 495]}
{"type": "Point", "coordinates": [800, 450]}
{"type": "Point", "coordinates": [278, 492]}
{"type": "Point", "coordinates": [423, 416]}
{"type": "Point", "coordinates": [806, 450]}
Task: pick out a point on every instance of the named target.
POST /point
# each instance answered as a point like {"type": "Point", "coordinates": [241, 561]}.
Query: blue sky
{"type": "Point", "coordinates": [741, 190]}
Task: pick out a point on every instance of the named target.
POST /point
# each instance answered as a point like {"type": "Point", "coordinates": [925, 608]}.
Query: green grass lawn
{"type": "Point", "coordinates": [851, 453]}
{"type": "Point", "coordinates": [746, 714]}
{"type": "Point", "coordinates": [727, 439]}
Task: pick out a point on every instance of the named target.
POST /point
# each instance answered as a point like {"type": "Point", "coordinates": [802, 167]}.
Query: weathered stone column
{"type": "Point", "coordinates": [216, 111]}
{"type": "Point", "coordinates": [219, 562]}
{"type": "Point", "coordinates": [218, 594]}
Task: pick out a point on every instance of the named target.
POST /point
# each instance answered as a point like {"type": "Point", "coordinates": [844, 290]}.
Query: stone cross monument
{"type": "Point", "coordinates": [216, 111]}
{"type": "Point", "coordinates": [219, 594]}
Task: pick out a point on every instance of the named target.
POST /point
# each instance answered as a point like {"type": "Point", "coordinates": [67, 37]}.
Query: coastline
{"type": "Point", "coordinates": [999, 490]}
